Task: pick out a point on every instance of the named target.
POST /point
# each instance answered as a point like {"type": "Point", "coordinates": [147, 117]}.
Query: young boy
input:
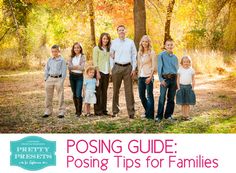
{"type": "Point", "coordinates": [55, 74]}
{"type": "Point", "coordinates": [167, 72]}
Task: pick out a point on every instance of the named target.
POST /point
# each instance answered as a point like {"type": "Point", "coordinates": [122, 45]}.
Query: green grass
{"type": "Point", "coordinates": [215, 121]}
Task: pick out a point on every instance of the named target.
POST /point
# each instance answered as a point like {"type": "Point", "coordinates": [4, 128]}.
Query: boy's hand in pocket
{"type": "Point", "coordinates": [163, 83]}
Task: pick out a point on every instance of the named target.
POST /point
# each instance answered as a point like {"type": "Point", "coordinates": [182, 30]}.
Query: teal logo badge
{"type": "Point", "coordinates": [33, 153]}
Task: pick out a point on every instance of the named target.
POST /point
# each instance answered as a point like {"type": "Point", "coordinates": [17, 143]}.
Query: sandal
{"type": "Point", "coordinates": [86, 114]}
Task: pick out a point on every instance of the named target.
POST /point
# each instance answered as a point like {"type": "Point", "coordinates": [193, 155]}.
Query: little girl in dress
{"type": "Point", "coordinates": [90, 84]}
{"type": "Point", "coordinates": [185, 95]}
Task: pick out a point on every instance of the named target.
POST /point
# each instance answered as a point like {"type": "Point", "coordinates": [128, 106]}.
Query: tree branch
{"type": "Point", "coordinates": [13, 14]}
{"type": "Point", "coordinates": [4, 34]}
{"type": "Point", "coordinates": [154, 5]}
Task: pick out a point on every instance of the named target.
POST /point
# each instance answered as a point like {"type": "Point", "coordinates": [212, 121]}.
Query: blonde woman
{"type": "Point", "coordinates": [146, 68]}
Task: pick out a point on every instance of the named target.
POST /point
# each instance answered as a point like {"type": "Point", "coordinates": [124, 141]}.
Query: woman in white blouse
{"type": "Point", "coordinates": [76, 69]}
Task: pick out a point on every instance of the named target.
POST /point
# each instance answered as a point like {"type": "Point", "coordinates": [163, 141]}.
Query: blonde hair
{"type": "Point", "coordinates": [89, 68]}
{"type": "Point", "coordinates": [141, 48]}
{"type": "Point", "coordinates": [188, 58]}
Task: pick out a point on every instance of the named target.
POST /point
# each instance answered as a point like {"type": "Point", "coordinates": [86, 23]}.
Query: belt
{"type": "Point", "coordinates": [76, 74]}
{"type": "Point", "coordinates": [123, 65]}
{"type": "Point", "coordinates": [58, 76]}
{"type": "Point", "coordinates": [169, 76]}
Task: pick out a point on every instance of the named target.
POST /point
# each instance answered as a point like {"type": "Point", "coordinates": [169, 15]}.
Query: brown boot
{"type": "Point", "coordinates": [76, 105]}
{"type": "Point", "coordinates": [79, 106]}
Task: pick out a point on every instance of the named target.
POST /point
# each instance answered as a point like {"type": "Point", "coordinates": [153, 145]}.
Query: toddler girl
{"type": "Point", "coordinates": [185, 95]}
{"type": "Point", "coordinates": [90, 84]}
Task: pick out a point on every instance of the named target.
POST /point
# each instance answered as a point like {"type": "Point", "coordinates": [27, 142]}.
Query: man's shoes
{"type": "Point", "coordinates": [158, 120]}
{"type": "Point", "coordinates": [150, 118]}
{"type": "Point", "coordinates": [98, 114]}
{"type": "Point", "coordinates": [60, 116]}
{"type": "Point", "coordinates": [45, 116]}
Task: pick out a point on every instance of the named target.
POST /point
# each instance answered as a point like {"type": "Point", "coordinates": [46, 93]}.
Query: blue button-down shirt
{"type": "Point", "coordinates": [55, 67]}
{"type": "Point", "coordinates": [167, 64]}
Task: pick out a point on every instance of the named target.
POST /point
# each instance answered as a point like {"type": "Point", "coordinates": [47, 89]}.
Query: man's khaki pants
{"type": "Point", "coordinates": [120, 73]}
{"type": "Point", "coordinates": [58, 84]}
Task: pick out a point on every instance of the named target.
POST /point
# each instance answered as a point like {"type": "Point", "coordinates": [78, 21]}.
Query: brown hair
{"type": "Point", "coordinates": [168, 39]}
{"type": "Point", "coordinates": [55, 47]}
{"type": "Point", "coordinates": [109, 41]}
{"type": "Point", "coordinates": [123, 26]}
{"type": "Point", "coordinates": [89, 68]}
{"type": "Point", "coordinates": [73, 52]}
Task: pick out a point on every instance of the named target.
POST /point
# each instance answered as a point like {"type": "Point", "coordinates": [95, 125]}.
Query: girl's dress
{"type": "Point", "coordinates": [185, 95]}
{"type": "Point", "coordinates": [90, 90]}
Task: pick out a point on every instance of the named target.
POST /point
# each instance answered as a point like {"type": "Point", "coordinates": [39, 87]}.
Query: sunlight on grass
{"type": "Point", "coordinates": [224, 126]}
{"type": "Point", "coordinates": [204, 123]}
{"type": "Point", "coordinates": [18, 73]}
{"type": "Point", "coordinates": [207, 61]}
{"type": "Point", "coordinates": [32, 92]}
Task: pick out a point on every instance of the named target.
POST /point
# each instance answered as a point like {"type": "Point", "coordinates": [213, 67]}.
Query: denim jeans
{"type": "Point", "coordinates": [170, 89]}
{"type": "Point", "coordinates": [147, 102]}
{"type": "Point", "coordinates": [76, 83]}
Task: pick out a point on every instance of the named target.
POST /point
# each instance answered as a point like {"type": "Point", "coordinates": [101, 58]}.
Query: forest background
{"type": "Point", "coordinates": [203, 29]}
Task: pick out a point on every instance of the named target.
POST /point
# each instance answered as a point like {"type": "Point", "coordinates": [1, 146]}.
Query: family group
{"type": "Point", "coordinates": [120, 60]}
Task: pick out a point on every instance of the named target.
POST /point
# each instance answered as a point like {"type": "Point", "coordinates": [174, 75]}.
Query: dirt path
{"type": "Point", "coordinates": [22, 105]}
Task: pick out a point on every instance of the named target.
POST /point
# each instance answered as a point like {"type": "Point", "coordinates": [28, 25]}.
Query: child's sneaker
{"type": "Point", "coordinates": [143, 115]}
{"type": "Point", "coordinates": [45, 116]}
{"type": "Point", "coordinates": [158, 120]}
{"type": "Point", "coordinates": [171, 119]}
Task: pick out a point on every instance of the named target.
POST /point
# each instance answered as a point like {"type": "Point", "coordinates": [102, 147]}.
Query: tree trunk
{"type": "Point", "coordinates": [229, 38]}
{"type": "Point", "coordinates": [20, 31]}
{"type": "Point", "coordinates": [139, 21]}
{"type": "Point", "coordinates": [168, 19]}
{"type": "Point", "coordinates": [92, 23]}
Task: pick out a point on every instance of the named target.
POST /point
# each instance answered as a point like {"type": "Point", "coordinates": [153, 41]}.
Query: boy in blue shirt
{"type": "Point", "coordinates": [167, 72]}
{"type": "Point", "coordinates": [54, 76]}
